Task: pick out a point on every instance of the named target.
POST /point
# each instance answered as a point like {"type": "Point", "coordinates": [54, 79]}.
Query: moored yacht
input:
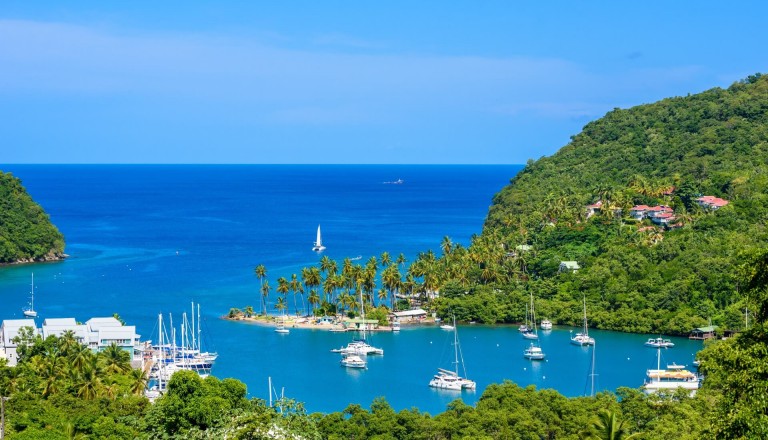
{"type": "Point", "coordinates": [582, 338]}
{"type": "Point", "coordinates": [450, 380]}
{"type": "Point", "coordinates": [546, 324]}
{"type": "Point", "coordinates": [353, 361]}
{"type": "Point", "coordinates": [659, 342]}
{"type": "Point", "coordinates": [670, 379]}
{"type": "Point", "coordinates": [533, 353]}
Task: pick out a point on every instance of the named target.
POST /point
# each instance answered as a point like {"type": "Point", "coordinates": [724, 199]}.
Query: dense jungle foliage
{"type": "Point", "coordinates": [635, 276]}
{"type": "Point", "coordinates": [26, 232]}
{"type": "Point", "coordinates": [61, 390]}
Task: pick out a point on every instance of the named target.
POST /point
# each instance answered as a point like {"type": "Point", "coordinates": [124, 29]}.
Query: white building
{"type": "Point", "coordinates": [9, 329]}
{"type": "Point", "coordinates": [97, 334]}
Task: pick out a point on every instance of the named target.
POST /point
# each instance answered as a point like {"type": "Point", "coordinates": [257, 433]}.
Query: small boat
{"type": "Point", "coordinates": [281, 329]}
{"type": "Point", "coordinates": [450, 380]}
{"type": "Point", "coordinates": [447, 327]}
{"type": "Point", "coordinates": [696, 363]}
{"type": "Point", "coordinates": [659, 342]}
{"type": "Point", "coordinates": [353, 361]}
{"type": "Point", "coordinates": [533, 353]}
{"type": "Point", "coordinates": [395, 182]}
{"type": "Point", "coordinates": [523, 328]}
{"type": "Point", "coordinates": [395, 326]}
{"type": "Point", "coordinates": [30, 312]}
{"type": "Point", "coordinates": [583, 338]}
{"type": "Point", "coordinates": [318, 247]}
{"type": "Point", "coordinates": [674, 366]}
{"type": "Point", "coordinates": [546, 324]}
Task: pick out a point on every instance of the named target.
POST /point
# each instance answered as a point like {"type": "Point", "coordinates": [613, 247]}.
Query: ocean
{"type": "Point", "coordinates": [145, 240]}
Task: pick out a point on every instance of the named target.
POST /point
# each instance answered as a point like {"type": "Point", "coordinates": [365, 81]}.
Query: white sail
{"type": "Point", "coordinates": [319, 242]}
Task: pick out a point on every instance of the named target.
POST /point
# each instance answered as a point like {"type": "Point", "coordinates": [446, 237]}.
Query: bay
{"type": "Point", "coordinates": [150, 239]}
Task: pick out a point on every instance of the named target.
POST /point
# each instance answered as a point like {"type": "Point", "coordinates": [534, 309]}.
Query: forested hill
{"type": "Point", "coordinates": [637, 275]}
{"type": "Point", "coordinates": [26, 232]}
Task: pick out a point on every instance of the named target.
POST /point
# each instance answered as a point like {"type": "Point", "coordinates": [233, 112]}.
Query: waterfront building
{"type": "Point", "coordinates": [97, 334]}
{"type": "Point", "coordinates": [9, 329]}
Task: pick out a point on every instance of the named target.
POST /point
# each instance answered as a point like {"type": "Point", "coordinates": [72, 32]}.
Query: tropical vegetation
{"type": "Point", "coordinates": [26, 232]}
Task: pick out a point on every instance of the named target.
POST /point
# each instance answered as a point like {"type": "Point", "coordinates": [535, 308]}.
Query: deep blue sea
{"type": "Point", "coordinates": [150, 239]}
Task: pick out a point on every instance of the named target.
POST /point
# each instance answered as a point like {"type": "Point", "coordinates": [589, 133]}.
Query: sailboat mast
{"type": "Point", "coordinates": [592, 392]}
{"type": "Point", "coordinates": [161, 355]}
{"type": "Point", "coordinates": [193, 325]}
{"type": "Point", "coordinates": [32, 299]}
{"type": "Point", "coordinates": [455, 346]}
{"type": "Point", "coordinates": [200, 341]}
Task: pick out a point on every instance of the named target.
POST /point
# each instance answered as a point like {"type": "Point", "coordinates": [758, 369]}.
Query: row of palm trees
{"type": "Point", "coordinates": [385, 278]}
{"type": "Point", "coordinates": [64, 365]}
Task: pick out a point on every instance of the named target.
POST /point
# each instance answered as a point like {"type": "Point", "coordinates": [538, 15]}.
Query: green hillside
{"type": "Point", "coordinates": [638, 276]}
{"type": "Point", "coordinates": [26, 232]}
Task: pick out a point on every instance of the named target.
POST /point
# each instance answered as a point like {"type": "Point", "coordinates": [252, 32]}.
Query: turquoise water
{"type": "Point", "coordinates": [146, 240]}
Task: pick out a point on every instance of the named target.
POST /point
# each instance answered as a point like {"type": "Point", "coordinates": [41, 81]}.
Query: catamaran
{"type": "Point", "coordinates": [30, 312]}
{"type": "Point", "coordinates": [582, 338]}
{"type": "Point", "coordinates": [359, 347]}
{"type": "Point", "coordinates": [318, 247]}
{"type": "Point", "coordinates": [659, 342]}
{"type": "Point", "coordinates": [450, 380]}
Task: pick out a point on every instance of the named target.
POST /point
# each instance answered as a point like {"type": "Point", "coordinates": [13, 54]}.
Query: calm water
{"type": "Point", "coordinates": [146, 240]}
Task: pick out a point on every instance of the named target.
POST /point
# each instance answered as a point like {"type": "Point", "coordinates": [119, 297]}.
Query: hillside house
{"type": "Point", "coordinates": [569, 266]}
{"type": "Point", "coordinates": [594, 208]}
{"type": "Point", "coordinates": [711, 202]}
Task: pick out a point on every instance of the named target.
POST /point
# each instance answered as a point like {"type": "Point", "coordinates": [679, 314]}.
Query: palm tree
{"type": "Point", "coordinates": [81, 357]}
{"type": "Point", "coordinates": [261, 272]}
{"type": "Point", "coordinates": [297, 287]}
{"type": "Point", "coordinates": [248, 311]}
{"type": "Point", "coordinates": [606, 426]}
{"type": "Point", "coordinates": [280, 305]}
{"type": "Point", "coordinates": [138, 381]}
{"type": "Point", "coordinates": [313, 300]}
{"type": "Point", "coordinates": [385, 259]}
{"type": "Point", "coordinates": [264, 293]}
{"type": "Point", "coordinates": [115, 359]}
{"type": "Point", "coordinates": [89, 386]}
{"type": "Point", "coordinates": [283, 288]}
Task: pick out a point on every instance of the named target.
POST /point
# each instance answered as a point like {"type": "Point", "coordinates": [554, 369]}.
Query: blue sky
{"type": "Point", "coordinates": [348, 82]}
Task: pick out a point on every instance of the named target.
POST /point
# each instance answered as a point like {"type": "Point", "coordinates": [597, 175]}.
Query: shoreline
{"type": "Point", "coordinates": [310, 322]}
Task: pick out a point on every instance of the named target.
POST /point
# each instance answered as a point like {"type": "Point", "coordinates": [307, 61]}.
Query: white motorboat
{"type": "Point", "coordinates": [546, 324]}
{"type": "Point", "coordinates": [318, 247]}
{"type": "Point", "coordinates": [353, 361]}
{"type": "Point", "coordinates": [533, 353]}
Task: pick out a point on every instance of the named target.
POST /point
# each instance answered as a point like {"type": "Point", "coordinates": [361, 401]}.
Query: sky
{"type": "Point", "coordinates": [348, 82]}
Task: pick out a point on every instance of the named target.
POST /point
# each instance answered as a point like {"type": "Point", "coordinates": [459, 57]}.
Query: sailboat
{"type": "Point", "coordinates": [582, 338]}
{"type": "Point", "coordinates": [360, 346]}
{"type": "Point", "coordinates": [669, 379]}
{"type": "Point", "coordinates": [30, 311]}
{"type": "Point", "coordinates": [531, 333]}
{"type": "Point", "coordinates": [281, 325]}
{"type": "Point", "coordinates": [318, 247]}
{"type": "Point", "coordinates": [450, 380]}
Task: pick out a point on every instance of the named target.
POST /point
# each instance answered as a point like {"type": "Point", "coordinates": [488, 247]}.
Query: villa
{"type": "Point", "coordinates": [711, 202]}
{"type": "Point", "coordinates": [96, 334]}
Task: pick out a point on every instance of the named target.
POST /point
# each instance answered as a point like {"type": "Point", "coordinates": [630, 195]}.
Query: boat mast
{"type": "Point", "coordinates": [592, 392]}
{"type": "Point", "coordinates": [160, 356]}
{"type": "Point", "coordinates": [585, 315]}
{"type": "Point", "coordinates": [199, 340]}
{"type": "Point", "coordinates": [456, 347]}
{"type": "Point", "coordinates": [362, 304]}
{"type": "Point", "coordinates": [32, 299]}
{"type": "Point", "coordinates": [193, 325]}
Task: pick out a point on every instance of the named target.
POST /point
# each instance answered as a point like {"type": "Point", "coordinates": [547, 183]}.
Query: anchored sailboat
{"type": "Point", "coordinates": [583, 338]}
{"type": "Point", "coordinates": [318, 247]}
{"type": "Point", "coordinates": [30, 311]}
{"type": "Point", "coordinates": [450, 380]}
